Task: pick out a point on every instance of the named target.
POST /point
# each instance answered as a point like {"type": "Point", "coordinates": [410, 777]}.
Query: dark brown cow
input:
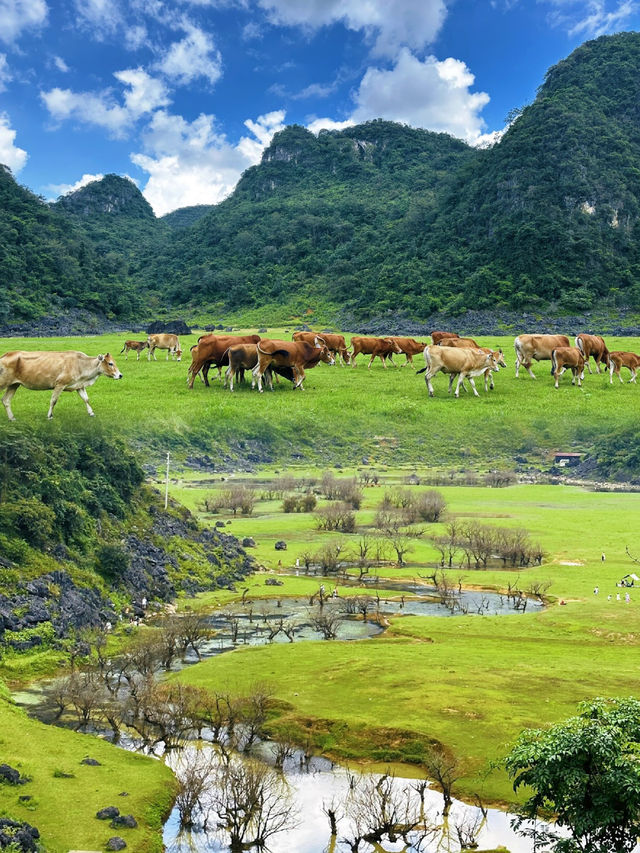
{"type": "Point", "coordinates": [380, 348]}
{"type": "Point", "coordinates": [620, 359]}
{"type": "Point", "coordinates": [436, 337]}
{"type": "Point", "coordinates": [136, 346]}
{"type": "Point", "coordinates": [409, 346]}
{"type": "Point", "coordinates": [593, 345]}
{"type": "Point", "coordinates": [567, 357]}
{"type": "Point", "coordinates": [53, 371]}
{"type": "Point", "coordinates": [297, 355]}
{"type": "Point", "coordinates": [336, 344]}
{"type": "Point", "coordinates": [212, 350]}
{"type": "Point", "coordinates": [469, 343]}
{"type": "Point", "coordinates": [538, 347]}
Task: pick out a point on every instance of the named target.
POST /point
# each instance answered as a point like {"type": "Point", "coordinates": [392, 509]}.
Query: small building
{"type": "Point", "coordinates": [565, 460]}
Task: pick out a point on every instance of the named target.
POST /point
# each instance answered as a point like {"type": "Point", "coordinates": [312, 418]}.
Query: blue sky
{"type": "Point", "coordinates": [183, 95]}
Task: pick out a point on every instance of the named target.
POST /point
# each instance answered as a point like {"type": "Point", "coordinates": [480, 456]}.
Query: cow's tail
{"type": "Point", "coordinates": [580, 345]}
{"type": "Point", "coordinates": [553, 362]}
{"type": "Point", "coordinates": [518, 348]}
{"type": "Point", "coordinates": [422, 370]}
{"type": "Point", "coordinates": [427, 362]}
{"type": "Point", "coordinates": [123, 349]}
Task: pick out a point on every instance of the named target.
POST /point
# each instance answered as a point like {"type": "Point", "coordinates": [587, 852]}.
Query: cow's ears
{"type": "Point", "coordinates": [100, 358]}
{"type": "Point", "coordinates": [500, 351]}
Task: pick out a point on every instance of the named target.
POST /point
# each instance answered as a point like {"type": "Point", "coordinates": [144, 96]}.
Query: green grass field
{"type": "Point", "coordinates": [343, 415]}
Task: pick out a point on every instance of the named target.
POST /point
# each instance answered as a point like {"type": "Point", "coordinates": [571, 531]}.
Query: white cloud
{"type": "Point", "coordinates": [5, 74]}
{"type": "Point", "coordinates": [62, 189]}
{"type": "Point", "coordinates": [319, 124]}
{"type": "Point", "coordinates": [135, 36]}
{"type": "Point", "coordinates": [142, 95]}
{"type": "Point", "coordinates": [413, 23]}
{"type": "Point", "coordinates": [193, 56]}
{"type": "Point", "coordinates": [431, 94]}
{"type": "Point", "coordinates": [19, 15]}
{"type": "Point", "coordinates": [192, 163]}
{"type": "Point", "coordinates": [596, 19]}
{"type": "Point", "coordinates": [60, 64]}
{"type": "Point", "coordinates": [102, 17]}
{"type": "Point", "coordinates": [10, 154]}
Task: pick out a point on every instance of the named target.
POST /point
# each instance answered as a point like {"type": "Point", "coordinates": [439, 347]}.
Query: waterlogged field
{"type": "Point", "coordinates": [470, 682]}
{"type": "Point", "coordinates": [343, 415]}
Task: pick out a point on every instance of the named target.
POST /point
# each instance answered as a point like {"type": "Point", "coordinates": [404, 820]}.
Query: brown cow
{"type": "Point", "coordinates": [436, 337]}
{"type": "Point", "coordinates": [409, 346]}
{"type": "Point", "coordinates": [538, 347]}
{"type": "Point", "coordinates": [620, 359]}
{"type": "Point", "coordinates": [296, 355]}
{"type": "Point", "coordinates": [136, 346]}
{"type": "Point", "coordinates": [593, 345]}
{"type": "Point", "coordinates": [464, 363]}
{"type": "Point", "coordinates": [567, 357]}
{"type": "Point", "coordinates": [212, 350]}
{"type": "Point", "coordinates": [336, 344]}
{"type": "Point", "coordinates": [57, 371]}
{"type": "Point", "coordinates": [469, 343]}
{"type": "Point", "coordinates": [381, 348]}
{"type": "Point", "coordinates": [164, 341]}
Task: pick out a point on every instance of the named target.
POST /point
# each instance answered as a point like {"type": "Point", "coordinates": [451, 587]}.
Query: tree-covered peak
{"type": "Point", "coordinates": [112, 195]}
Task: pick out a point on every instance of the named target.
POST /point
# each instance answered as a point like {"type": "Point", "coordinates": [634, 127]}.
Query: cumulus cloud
{"type": "Point", "coordinates": [595, 18]}
{"type": "Point", "coordinates": [60, 64]}
{"type": "Point", "coordinates": [19, 15]}
{"type": "Point", "coordinates": [388, 25]}
{"type": "Point", "coordinates": [56, 190]}
{"type": "Point", "coordinates": [431, 94]}
{"type": "Point", "coordinates": [192, 163]}
{"type": "Point", "coordinates": [5, 74]}
{"type": "Point", "coordinates": [318, 124]}
{"type": "Point", "coordinates": [193, 56]}
{"type": "Point", "coordinates": [142, 95]}
{"type": "Point", "coordinates": [102, 17]}
{"type": "Point", "coordinates": [10, 154]}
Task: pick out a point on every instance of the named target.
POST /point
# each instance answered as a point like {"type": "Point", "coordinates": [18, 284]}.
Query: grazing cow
{"type": "Point", "coordinates": [436, 337]}
{"type": "Point", "coordinates": [488, 374]}
{"type": "Point", "coordinates": [336, 344]}
{"type": "Point", "coordinates": [469, 343]}
{"type": "Point", "coordinates": [538, 347]}
{"type": "Point", "coordinates": [464, 363]}
{"type": "Point", "coordinates": [381, 348]}
{"type": "Point", "coordinates": [296, 355]}
{"type": "Point", "coordinates": [245, 357]}
{"type": "Point", "coordinates": [212, 350]}
{"type": "Point", "coordinates": [567, 357]}
{"type": "Point", "coordinates": [409, 346]}
{"type": "Point", "coordinates": [136, 346]}
{"type": "Point", "coordinates": [593, 345]}
{"type": "Point", "coordinates": [623, 359]}
{"type": "Point", "coordinates": [57, 371]}
{"type": "Point", "coordinates": [164, 341]}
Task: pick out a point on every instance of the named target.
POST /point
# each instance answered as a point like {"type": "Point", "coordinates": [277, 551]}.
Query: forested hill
{"type": "Point", "coordinates": [375, 217]}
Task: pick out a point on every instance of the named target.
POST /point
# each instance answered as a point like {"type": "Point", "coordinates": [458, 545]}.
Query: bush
{"type": "Point", "coordinates": [113, 561]}
{"type": "Point", "coordinates": [32, 520]}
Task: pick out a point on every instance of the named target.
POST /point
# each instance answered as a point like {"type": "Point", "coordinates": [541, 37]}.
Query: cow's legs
{"type": "Point", "coordinates": [7, 398]}
{"type": "Point", "coordinates": [633, 375]}
{"type": "Point", "coordinates": [473, 385]}
{"type": "Point", "coordinates": [588, 363]}
{"type": "Point", "coordinates": [54, 399]}
{"type": "Point", "coordinates": [427, 378]}
{"type": "Point", "coordinates": [528, 367]}
{"type": "Point", "coordinates": [371, 362]}
{"type": "Point", "coordinates": [82, 393]}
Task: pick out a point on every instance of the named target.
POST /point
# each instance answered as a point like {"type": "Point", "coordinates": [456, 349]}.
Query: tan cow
{"type": "Point", "coordinates": [538, 347]}
{"type": "Point", "coordinates": [297, 355]}
{"type": "Point", "coordinates": [336, 344]}
{"type": "Point", "coordinates": [469, 343]}
{"type": "Point", "coordinates": [381, 348]}
{"type": "Point", "coordinates": [436, 337]}
{"type": "Point", "coordinates": [57, 371]}
{"type": "Point", "coordinates": [620, 359]}
{"type": "Point", "coordinates": [567, 357]}
{"type": "Point", "coordinates": [463, 363]}
{"type": "Point", "coordinates": [164, 341]}
{"type": "Point", "coordinates": [409, 346]}
{"type": "Point", "coordinates": [136, 346]}
{"type": "Point", "coordinates": [593, 345]}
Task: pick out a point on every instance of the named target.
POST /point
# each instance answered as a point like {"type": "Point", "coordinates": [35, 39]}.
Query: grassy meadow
{"type": "Point", "coordinates": [344, 414]}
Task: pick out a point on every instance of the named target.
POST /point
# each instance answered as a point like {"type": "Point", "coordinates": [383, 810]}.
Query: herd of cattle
{"type": "Point", "coordinates": [458, 357]}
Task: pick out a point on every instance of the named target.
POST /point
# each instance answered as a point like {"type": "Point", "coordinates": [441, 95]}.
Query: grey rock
{"type": "Point", "coordinates": [280, 545]}
{"type": "Point", "coordinates": [108, 813]}
{"type": "Point", "coordinates": [92, 762]}
{"type": "Point", "coordinates": [116, 843]}
{"type": "Point", "coordinates": [125, 820]}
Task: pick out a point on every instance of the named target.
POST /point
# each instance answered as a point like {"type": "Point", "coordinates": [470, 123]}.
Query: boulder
{"type": "Point", "coordinates": [280, 545]}
{"type": "Point", "coordinates": [172, 327]}
{"type": "Point", "coordinates": [92, 762]}
{"type": "Point", "coordinates": [126, 820]}
{"type": "Point", "coordinates": [248, 542]}
{"type": "Point", "coordinates": [116, 843]}
{"type": "Point", "coordinates": [10, 775]}
{"type": "Point", "coordinates": [108, 813]}
{"type": "Point", "coordinates": [18, 834]}
{"type": "Point", "coordinates": [262, 330]}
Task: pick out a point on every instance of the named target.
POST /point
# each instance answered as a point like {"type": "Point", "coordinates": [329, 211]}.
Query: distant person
{"type": "Point", "coordinates": [596, 590]}
{"type": "Point", "coordinates": [617, 596]}
{"type": "Point", "coordinates": [603, 557]}
{"type": "Point", "coordinates": [627, 597]}
{"type": "Point", "coordinates": [608, 598]}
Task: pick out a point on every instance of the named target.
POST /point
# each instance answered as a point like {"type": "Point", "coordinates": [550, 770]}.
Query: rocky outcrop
{"type": "Point", "coordinates": [14, 833]}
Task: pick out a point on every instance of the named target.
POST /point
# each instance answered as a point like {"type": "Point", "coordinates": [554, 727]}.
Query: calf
{"type": "Point", "coordinates": [212, 350]}
{"type": "Point", "coordinates": [469, 343]}
{"type": "Point", "coordinates": [296, 355]}
{"type": "Point", "coordinates": [623, 359]}
{"type": "Point", "coordinates": [53, 371]}
{"type": "Point", "coordinates": [436, 337]}
{"type": "Point", "coordinates": [336, 344]}
{"type": "Point", "coordinates": [381, 348]}
{"type": "Point", "coordinates": [567, 357]}
{"type": "Point", "coordinates": [136, 346]}
{"type": "Point", "coordinates": [593, 345]}
{"type": "Point", "coordinates": [409, 346]}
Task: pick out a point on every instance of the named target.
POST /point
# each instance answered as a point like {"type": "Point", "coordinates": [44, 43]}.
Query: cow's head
{"type": "Point", "coordinates": [108, 367]}
{"type": "Point", "coordinates": [325, 355]}
{"type": "Point", "coordinates": [499, 357]}
{"type": "Point", "coordinates": [178, 355]}
{"type": "Point", "coordinates": [492, 362]}
{"type": "Point", "coordinates": [393, 345]}
{"type": "Point", "coordinates": [346, 355]}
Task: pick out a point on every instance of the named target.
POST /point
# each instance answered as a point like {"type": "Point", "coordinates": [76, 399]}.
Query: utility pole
{"type": "Point", "coordinates": [166, 484]}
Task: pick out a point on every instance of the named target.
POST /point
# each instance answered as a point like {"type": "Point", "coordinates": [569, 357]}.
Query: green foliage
{"type": "Point", "coordinates": [585, 771]}
{"type": "Point", "coordinates": [113, 561]}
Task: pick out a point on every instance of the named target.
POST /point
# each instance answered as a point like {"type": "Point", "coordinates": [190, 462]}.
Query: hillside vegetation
{"type": "Point", "coordinates": [369, 219]}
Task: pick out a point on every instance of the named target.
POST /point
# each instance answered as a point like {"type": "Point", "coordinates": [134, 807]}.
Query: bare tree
{"type": "Point", "coordinates": [251, 804]}
{"type": "Point", "coordinates": [326, 621]}
{"type": "Point", "coordinates": [337, 515]}
{"type": "Point", "coordinates": [445, 770]}
{"type": "Point", "coordinates": [195, 772]}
